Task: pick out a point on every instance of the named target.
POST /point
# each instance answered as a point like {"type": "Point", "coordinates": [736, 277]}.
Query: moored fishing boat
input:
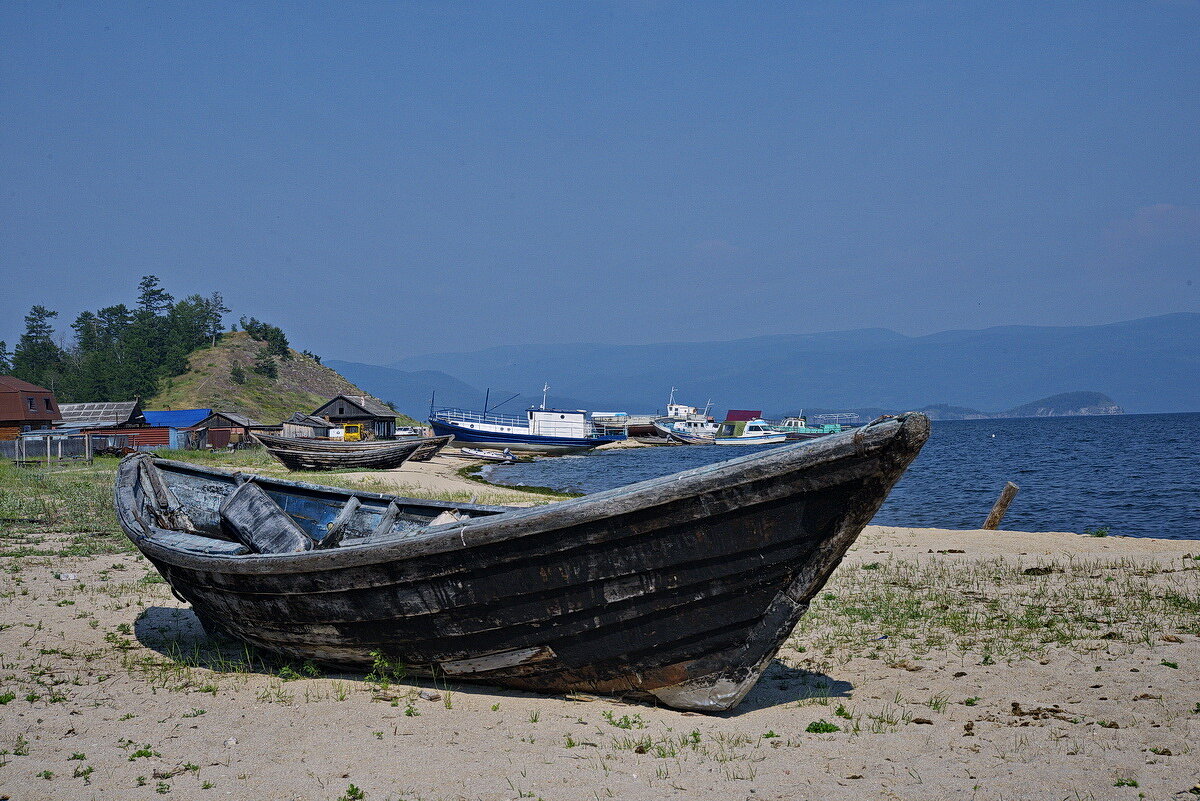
{"type": "Point", "coordinates": [686, 424]}
{"type": "Point", "coordinates": [680, 589]}
{"type": "Point", "coordinates": [755, 431]}
{"type": "Point", "coordinates": [691, 432]}
{"type": "Point", "coordinates": [541, 429]}
{"type": "Point", "coordinates": [798, 428]}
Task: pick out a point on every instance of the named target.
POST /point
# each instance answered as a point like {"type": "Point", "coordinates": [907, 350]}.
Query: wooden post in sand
{"type": "Point", "coordinates": [997, 514]}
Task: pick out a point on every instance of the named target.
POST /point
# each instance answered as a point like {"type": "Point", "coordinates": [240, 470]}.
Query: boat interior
{"type": "Point", "coordinates": [214, 512]}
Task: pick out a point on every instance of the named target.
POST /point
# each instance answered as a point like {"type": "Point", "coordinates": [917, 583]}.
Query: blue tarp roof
{"type": "Point", "coordinates": [179, 418]}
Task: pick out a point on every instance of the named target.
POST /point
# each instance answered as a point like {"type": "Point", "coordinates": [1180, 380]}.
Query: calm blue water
{"type": "Point", "coordinates": [1137, 475]}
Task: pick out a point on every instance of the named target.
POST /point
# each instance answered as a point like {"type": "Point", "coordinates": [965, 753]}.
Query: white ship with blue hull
{"type": "Point", "coordinates": [541, 429]}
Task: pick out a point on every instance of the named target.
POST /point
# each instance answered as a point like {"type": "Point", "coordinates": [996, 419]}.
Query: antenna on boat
{"type": "Point", "coordinates": [432, 395]}
{"type": "Point", "coordinates": [671, 401]}
{"type": "Point", "coordinates": [545, 389]}
{"type": "Point", "coordinates": [501, 403]}
{"type": "Point", "coordinates": [707, 406]}
{"type": "Point", "coordinates": [486, 395]}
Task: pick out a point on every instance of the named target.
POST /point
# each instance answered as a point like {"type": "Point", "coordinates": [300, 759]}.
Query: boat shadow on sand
{"type": "Point", "coordinates": [177, 635]}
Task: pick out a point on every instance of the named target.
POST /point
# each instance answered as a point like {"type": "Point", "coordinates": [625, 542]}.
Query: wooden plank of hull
{"type": "Point", "coordinates": [618, 592]}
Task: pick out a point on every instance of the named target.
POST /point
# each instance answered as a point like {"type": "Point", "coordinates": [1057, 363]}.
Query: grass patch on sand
{"type": "Point", "coordinates": [74, 498]}
{"type": "Point", "coordinates": [999, 609]}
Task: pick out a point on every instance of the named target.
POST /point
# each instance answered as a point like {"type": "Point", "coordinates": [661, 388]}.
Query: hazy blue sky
{"type": "Point", "coordinates": [390, 179]}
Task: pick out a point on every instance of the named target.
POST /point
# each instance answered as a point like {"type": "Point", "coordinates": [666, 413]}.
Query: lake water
{"type": "Point", "coordinates": [1136, 475]}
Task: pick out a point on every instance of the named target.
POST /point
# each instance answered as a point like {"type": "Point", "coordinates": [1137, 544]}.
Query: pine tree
{"type": "Point", "coordinates": [5, 359]}
{"type": "Point", "coordinates": [216, 315]}
{"type": "Point", "coordinates": [37, 359]}
{"type": "Point", "coordinates": [264, 363]}
{"type": "Point", "coordinates": [152, 298]}
{"type": "Point", "coordinates": [187, 327]}
{"type": "Point", "coordinates": [236, 374]}
{"type": "Point", "coordinates": [146, 341]}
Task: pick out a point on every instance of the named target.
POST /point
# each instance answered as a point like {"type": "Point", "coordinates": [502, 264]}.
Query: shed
{"type": "Point", "coordinates": [119, 414]}
{"type": "Point", "coordinates": [742, 415]}
{"type": "Point", "coordinates": [306, 426]}
{"type": "Point", "coordinates": [25, 406]}
{"type": "Point", "coordinates": [377, 419]}
{"type": "Point", "coordinates": [221, 429]}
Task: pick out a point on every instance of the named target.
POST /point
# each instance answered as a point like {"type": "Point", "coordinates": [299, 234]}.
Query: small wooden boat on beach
{"type": "Point", "coordinates": [300, 454]}
{"type": "Point", "coordinates": [679, 589]}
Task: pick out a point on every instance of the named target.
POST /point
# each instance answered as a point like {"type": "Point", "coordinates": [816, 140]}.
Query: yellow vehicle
{"type": "Point", "coordinates": [352, 432]}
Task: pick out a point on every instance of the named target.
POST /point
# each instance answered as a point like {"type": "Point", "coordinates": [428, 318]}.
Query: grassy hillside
{"type": "Point", "coordinates": [302, 385]}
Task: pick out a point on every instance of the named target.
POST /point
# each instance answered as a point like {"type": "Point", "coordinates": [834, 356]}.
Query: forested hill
{"type": "Point", "coordinates": [224, 377]}
{"type": "Point", "coordinates": [173, 355]}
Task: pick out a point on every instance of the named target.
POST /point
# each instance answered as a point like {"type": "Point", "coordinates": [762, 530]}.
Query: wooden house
{"type": "Point", "coordinates": [25, 406]}
{"type": "Point", "coordinates": [378, 421]}
{"type": "Point", "coordinates": [306, 426]}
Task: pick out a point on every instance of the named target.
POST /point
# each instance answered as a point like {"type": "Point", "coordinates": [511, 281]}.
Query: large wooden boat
{"type": "Point", "coordinates": [327, 445]}
{"type": "Point", "coordinates": [335, 452]}
{"type": "Point", "coordinates": [679, 589]}
{"type": "Point", "coordinates": [300, 455]}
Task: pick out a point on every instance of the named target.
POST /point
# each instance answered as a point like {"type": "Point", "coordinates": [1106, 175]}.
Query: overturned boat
{"type": "Point", "coordinates": [314, 454]}
{"type": "Point", "coordinates": [679, 589]}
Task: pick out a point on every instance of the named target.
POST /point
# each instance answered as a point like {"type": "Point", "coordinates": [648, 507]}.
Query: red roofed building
{"type": "Point", "coordinates": [24, 406]}
{"type": "Point", "coordinates": [739, 415]}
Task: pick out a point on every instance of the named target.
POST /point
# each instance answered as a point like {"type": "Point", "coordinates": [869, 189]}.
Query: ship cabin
{"type": "Point", "coordinates": [559, 423]}
{"type": "Point", "coordinates": [744, 428]}
{"type": "Point", "coordinates": [681, 411]}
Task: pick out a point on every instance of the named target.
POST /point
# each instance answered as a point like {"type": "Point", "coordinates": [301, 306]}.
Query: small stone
{"type": "Point", "coordinates": [231, 741]}
{"type": "Point", "coordinates": [854, 776]}
{"type": "Point", "coordinates": [1171, 638]}
{"type": "Point", "coordinates": [67, 576]}
{"type": "Point", "coordinates": [960, 674]}
{"type": "Point", "coordinates": [923, 721]}
{"type": "Point", "coordinates": [430, 695]}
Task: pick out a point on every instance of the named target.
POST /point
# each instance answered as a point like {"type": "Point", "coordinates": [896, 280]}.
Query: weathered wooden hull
{"type": "Point", "coordinates": [680, 589]}
{"type": "Point", "coordinates": [430, 447]}
{"type": "Point", "coordinates": [385, 458]}
{"type": "Point", "coordinates": [332, 445]}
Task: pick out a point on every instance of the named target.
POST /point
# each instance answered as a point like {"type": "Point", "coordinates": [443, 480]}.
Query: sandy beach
{"type": "Point", "coordinates": [936, 664]}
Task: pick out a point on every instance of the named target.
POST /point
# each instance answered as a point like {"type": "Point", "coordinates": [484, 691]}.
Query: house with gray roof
{"type": "Point", "coordinates": [378, 420]}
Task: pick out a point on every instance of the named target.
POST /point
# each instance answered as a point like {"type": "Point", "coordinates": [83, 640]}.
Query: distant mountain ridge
{"type": "Point", "coordinates": [1148, 365]}
{"type": "Point", "coordinates": [1066, 404]}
